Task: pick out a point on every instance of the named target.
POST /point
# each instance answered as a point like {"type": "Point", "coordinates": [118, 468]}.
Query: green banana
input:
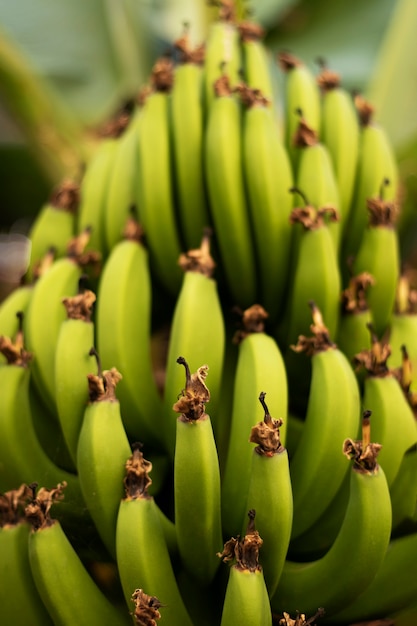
{"type": "Point", "coordinates": [361, 542]}
{"type": "Point", "coordinates": [317, 468]}
{"type": "Point", "coordinates": [101, 473]}
{"type": "Point", "coordinates": [340, 134]}
{"type": "Point", "coordinates": [227, 196]}
{"type": "Point", "coordinates": [270, 495]}
{"type": "Point", "coordinates": [67, 590]}
{"type": "Point", "coordinates": [154, 185]}
{"type": "Point", "coordinates": [196, 480]}
{"type": "Point", "coordinates": [393, 588]}
{"type": "Point", "coordinates": [198, 301]}
{"type": "Point", "coordinates": [120, 189]}
{"type": "Point", "coordinates": [394, 425]}
{"type": "Point", "coordinates": [23, 460]}
{"type": "Point", "coordinates": [222, 50]}
{"type": "Point", "coordinates": [404, 492]}
{"type": "Point", "coordinates": [376, 162]}
{"type": "Point", "coordinates": [54, 225]}
{"type": "Point", "coordinates": [141, 550]}
{"type": "Point", "coordinates": [259, 366]}
{"type": "Point", "coordinates": [11, 307]}
{"type": "Point", "coordinates": [268, 176]}
{"type": "Point", "coordinates": [94, 185]}
{"type": "Point", "coordinates": [123, 330]}
{"type": "Point", "coordinates": [187, 121]}
{"type": "Point", "coordinates": [301, 92]}
{"type": "Point", "coordinates": [379, 255]}
{"type": "Point", "coordinates": [73, 363]}
{"type": "Point", "coordinates": [20, 602]}
{"type": "Point", "coordinates": [256, 61]}
{"type": "Point", "coordinates": [45, 313]}
{"type": "Point", "coordinates": [316, 176]}
{"type": "Point", "coordinates": [246, 601]}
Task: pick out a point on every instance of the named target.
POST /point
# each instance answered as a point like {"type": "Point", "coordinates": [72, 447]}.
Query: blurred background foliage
{"type": "Point", "coordinates": [65, 65]}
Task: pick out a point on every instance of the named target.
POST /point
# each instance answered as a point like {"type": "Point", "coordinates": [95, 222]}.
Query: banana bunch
{"type": "Point", "coordinates": [208, 377]}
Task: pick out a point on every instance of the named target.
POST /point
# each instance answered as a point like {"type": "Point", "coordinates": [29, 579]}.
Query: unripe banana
{"type": "Point", "coordinates": [376, 162]}
{"type": "Point", "coordinates": [270, 495]}
{"type": "Point", "coordinates": [379, 255]}
{"type": "Point", "coordinates": [120, 187]}
{"type": "Point", "coordinates": [317, 468]}
{"type": "Point", "coordinates": [222, 50]}
{"type": "Point", "coordinates": [196, 481]}
{"type": "Point", "coordinates": [73, 363]}
{"type": "Point", "coordinates": [187, 120]}
{"type": "Point", "coordinates": [246, 601]}
{"type": "Point", "coordinates": [256, 68]}
{"type": "Point", "coordinates": [123, 322]}
{"type": "Point", "coordinates": [404, 492]}
{"type": "Point", "coordinates": [102, 451]}
{"type": "Point", "coordinates": [11, 307]}
{"type": "Point", "coordinates": [23, 459]}
{"type": "Point", "coordinates": [45, 313]}
{"type": "Point", "coordinates": [197, 330]}
{"type": "Point", "coordinates": [226, 189]}
{"type": "Point", "coordinates": [154, 185]}
{"type": "Point", "coordinates": [95, 182]}
{"type": "Point", "coordinates": [20, 602]}
{"type": "Point", "coordinates": [362, 542]}
{"type": "Point", "coordinates": [142, 553]}
{"type": "Point", "coordinates": [268, 177]}
{"type": "Point", "coordinates": [301, 93]}
{"type": "Point", "coordinates": [54, 225]}
{"type": "Point", "coordinates": [67, 590]}
{"type": "Point", "coordinates": [340, 134]}
{"type": "Point", "coordinates": [259, 366]}
{"type": "Point", "coordinates": [393, 588]}
{"type": "Point", "coordinates": [394, 424]}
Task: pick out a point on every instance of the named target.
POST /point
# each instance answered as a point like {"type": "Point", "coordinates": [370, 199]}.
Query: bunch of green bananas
{"type": "Point", "coordinates": [232, 247]}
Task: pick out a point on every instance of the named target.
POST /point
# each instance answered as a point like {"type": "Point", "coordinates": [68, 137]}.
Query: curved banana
{"type": "Point", "coordinates": [102, 451]}
{"type": "Point", "coordinates": [316, 176]}
{"type": "Point", "coordinates": [123, 330]}
{"type": "Point", "coordinates": [227, 196]}
{"type": "Point", "coordinates": [45, 313]}
{"type": "Point", "coordinates": [54, 225]}
{"type": "Point", "coordinates": [393, 588]}
{"type": "Point", "coordinates": [23, 460]}
{"type": "Point", "coordinates": [154, 185]}
{"type": "Point", "coordinates": [268, 177]}
{"type": "Point", "coordinates": [333, 412]}
{"type": "Point", "coordinates": [362, 542]}
{"type": "Point", "coordinates": [340, 134]}
{"type": "Point", "coordinates": [404, 492]}
{"type": "Point", "coordinates": [393, 423]}
{"type": "Point", "coordinates": [73, 363]}
{"type": "Point", "coordinates": [67, 590]}
{"type": "Point", "coordinates": [246, 601]}
{"type": "Point", "coordinates": [197, 331]}
{"type": "Point", "coordinates": [270, 495]}
{"type": "Point", "coordinates": [259, 366]}
{"type": "Point", "coordinates": [376, 162]}
{"type": "Point", "coordinates": [301, 92]}
{"type": "Point", "coordinates": [222, 50]}
{"type": "Point", "coordinates": [20, 602]}
{"type": "Point", "coordinates": [379, 255]}
{"type": "Point", "coordinates": [141, 550]}
{"type": "Point", "coordinates": [120, 189]}
{"type": "Point", "coordinates": [94, 185]}
{"type": "Point", "coordinates": [187, 122]}
{"type": "Point", "coordinates": [196, 480]}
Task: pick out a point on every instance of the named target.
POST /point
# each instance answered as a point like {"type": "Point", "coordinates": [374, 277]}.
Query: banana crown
{"type": "Point", "coordinates": [137, 480]}
{"type": "Point", "coordinates": [244, 550]}
{"type": "Point", "coordinates": [191, 404]}
{"type": "Point", "coordinates": [37, 512]}
{"type": "Point", "coordinates": [266, 433]}
{"type": "Point", "coordinates": [147, 607]}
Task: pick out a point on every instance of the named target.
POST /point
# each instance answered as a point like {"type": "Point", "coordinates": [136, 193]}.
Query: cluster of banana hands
{"type": "Point", "coordinates": [120, 495]}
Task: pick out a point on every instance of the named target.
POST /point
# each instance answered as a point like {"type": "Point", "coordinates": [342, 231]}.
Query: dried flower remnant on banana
{"type": "Point", "coordinates": [363, 453]}
{"type": "Point", "coordinates": [299, 620]}
{"type": "Point", "coordinates": [137, 480]}
{"type": "Point", "coordinates": [102, 386]}
{"type": "Point", "coordinates": [79, 307]}
{"type": "Point", "coordinates": [37, 512]}
{"type": "Point", "coordinates": [252, 320]}
{"type": "Point", "coordinates": [12, 505]}
{"type": "Point", "coordinates": [320, 340]}
{"type": "Point", "coordinates": [244, 550]}
{"type": "Point", "coordinates": [147, 607]}
{"type": "Point", "coordinates": [191, 404]}
{"type": "Point", "coordinates": [199, 260]}
{"type": "Point", "coordinates": [266, 433]}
